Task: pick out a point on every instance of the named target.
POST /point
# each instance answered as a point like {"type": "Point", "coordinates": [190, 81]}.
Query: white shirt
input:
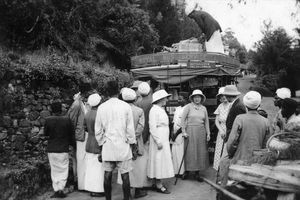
{"type": "Point", "coordinates": [114, 129]}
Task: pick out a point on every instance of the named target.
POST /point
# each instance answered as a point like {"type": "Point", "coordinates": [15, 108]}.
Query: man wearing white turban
{"type": "Point", "coordinates": [250, 131]}
{"type": "Point", "coordinates": [279, 121]}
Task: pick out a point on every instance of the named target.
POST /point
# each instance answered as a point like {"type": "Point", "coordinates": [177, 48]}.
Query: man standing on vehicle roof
{"type": "Point", "coordinates": [209, 26]}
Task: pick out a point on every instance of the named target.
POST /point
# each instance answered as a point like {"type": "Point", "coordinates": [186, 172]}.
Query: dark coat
{"type": "Point", "coordinates": [60, 131]}
{"type": "Point", "coordinates": [206, 22]}
{"type": "Point", "coordinates": [236, 109]}
{"type": "Point", "coordinates": [146, 104]}
{"type": "Point", "coordinates": [89, 121]}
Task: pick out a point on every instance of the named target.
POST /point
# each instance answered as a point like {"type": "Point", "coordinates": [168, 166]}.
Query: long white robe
{"type": "Point", "coordinates": [59, 165]}
{"type": "Point", "coordinates": [160, 161]}
{"type": "Point", "coordinates": [94, 176]}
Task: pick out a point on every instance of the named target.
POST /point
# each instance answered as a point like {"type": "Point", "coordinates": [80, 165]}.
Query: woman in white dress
{"type": "Point", "coordinates": [221, 116]}
{"type": "Point", "coordinates": [160, 160]}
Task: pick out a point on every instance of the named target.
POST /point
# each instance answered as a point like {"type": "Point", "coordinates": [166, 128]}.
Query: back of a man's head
{"type": "Point", "coordinates": [112, 88]}
{"type": "Point", "coordinates": [56, 107]}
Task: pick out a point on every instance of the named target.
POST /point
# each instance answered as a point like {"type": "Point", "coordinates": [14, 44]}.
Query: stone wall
{"type": "Point", "coordinates": [24, 168]}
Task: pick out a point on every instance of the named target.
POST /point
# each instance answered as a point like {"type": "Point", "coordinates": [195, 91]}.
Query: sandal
{"type": "Point", "coordinates": [163, 190]}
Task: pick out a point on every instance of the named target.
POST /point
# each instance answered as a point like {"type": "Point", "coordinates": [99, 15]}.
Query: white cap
{"type": "Point", "coordinates": [94, 99]}
{"type": "Point", "coordinates": [128, 94]}
{"type": "Point", "coordinates": [190, 6]}
{"type": "Point", "coordinates": [283, 93]}
{"type": "Point", "coordinates": [160, 94]}
{"type": "Point", "coordinates": [144, 88]}
{"type": "Point", "coordinates": [252, 99]}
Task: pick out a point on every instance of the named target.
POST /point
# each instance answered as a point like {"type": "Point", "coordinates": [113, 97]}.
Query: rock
{"type": "Point", "coordinates": [34, 132]}
{"type": "Point", "coordinates": [42, 121]}
{"type": "Point", "coordinates": [48, 96]}
{"type": "Point", "coordinates": [25, 131]}
{"type": "Point", "coordinates": [15, 123]}
{"type": "Point", "coordinates": [3, 135]}
{"type": "Point", "coordinates": [34, 102]}
{"type": "Point", "coordinates": [24, 123]}
{"type": "Point", "coordinates": [45, 107]}
{"type": "Point", "coordinates": [11, 131]}
{"type": "Point", "coordinates": [39, 107]}
{"type": "Point", "coordinates": [36, 123]}
{"type": "Point", "coordinates": [41, 132]}
{"type": "Point", "coordinates": [46, 102]}
{"type": "Point", "coordinates": [33, 115]}
{"type": "Point", "coordinates": [30, 96]}
{"type": "Point", "coordinates": [7, 122]}
{"type": "Point", "coordinates": [44, 114]}
{"type": "Point", "coordinates": [18, 143]}
{"type": "Point", "coordinates": [34, 139]}
{"type": "Point", "coordinates": [19, 115]}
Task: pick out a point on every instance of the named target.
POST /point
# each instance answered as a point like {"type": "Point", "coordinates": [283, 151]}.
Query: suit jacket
{"type": "Point", "coordinates": [206, 22]}
{"type": "Point", "coordinates": [60, 131]}
{"type": "Point", "coordinates": [89, 121]}
{"type": "Point", "coordinates": [236, 109]}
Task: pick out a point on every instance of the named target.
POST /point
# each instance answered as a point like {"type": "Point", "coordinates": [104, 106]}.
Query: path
{"type": "Point", "coordinates": [184, 190]}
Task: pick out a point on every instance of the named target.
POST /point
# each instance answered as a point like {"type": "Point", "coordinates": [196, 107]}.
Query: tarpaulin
{"type": "Point", "coordinates": [174, 74]}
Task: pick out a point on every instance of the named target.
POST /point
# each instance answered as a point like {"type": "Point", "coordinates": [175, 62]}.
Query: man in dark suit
{"type": "Point", "coordinates": [232, 95]}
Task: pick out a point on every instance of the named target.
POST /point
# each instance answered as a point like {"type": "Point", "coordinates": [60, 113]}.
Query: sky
{"type": "Point", "coordinates": [246, 20]}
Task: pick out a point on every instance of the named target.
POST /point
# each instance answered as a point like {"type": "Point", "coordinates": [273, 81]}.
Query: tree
{"type": "Point", "coordinates": [81, 27]}
{"type": "Point", "coordinates": [166, 20]}
{"type": "Point", "coordinates": [273, 51]}
{"type": "Point", "coordinates": [236, 50]}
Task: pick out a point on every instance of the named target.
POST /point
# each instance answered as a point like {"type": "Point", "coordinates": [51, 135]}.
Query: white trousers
{"type": "Point", "coordinates": [59, 164]}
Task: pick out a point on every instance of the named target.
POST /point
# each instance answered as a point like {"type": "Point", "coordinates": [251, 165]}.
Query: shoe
{"type": "Point", "coordinates": [184, 176]}
{"type": "Point", "coordinates": [140, 193]}
{"type": "Point", "coordinates": [198, 178]}
{"type": "Point", "coordinates": [55, 195]}
{"type": "Point", "coordinates": [97, 194]}
{"type": "Point", "coordinates": [58, 194]}
{"type": "Point", "coordinates": [163, 190]}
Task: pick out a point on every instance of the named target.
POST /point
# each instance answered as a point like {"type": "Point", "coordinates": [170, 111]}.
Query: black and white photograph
{"type": "Point", "coordinates": [150, 99]}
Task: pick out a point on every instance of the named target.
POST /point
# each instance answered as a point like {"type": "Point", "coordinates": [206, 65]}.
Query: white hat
{"type": "Point", "coordinates": [231, 90]}
{"type": "Point", "coordinates": [136, 84]}
{"type": "Point", "coordinates": [283, 93]}
{"type": "Point", "coordinates": [144, 88]}
{"type": "Point", "coordinates": [198, 92]}
{"type": "Point", "coordinates": [252, 99]}
{"type": "Point", "coordinates": [160, 94]}
{"type": "Point", "coordinates": [94, 99]}
{"type": "Point", "coordinates": [221, 91]}
{"type": "Point", "coordinates": [128, 94]}
{"type": "Point", "coordinates": [190, 6]}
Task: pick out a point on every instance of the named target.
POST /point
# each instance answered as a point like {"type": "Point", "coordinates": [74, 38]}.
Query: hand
{"type": "Point", "coordinates": [185, 135]}
{"type": "Point", "coordinates": [134, 149]}
{"type": "Point", "coordinates": [208, 137]}
{"type": "Point", "coordinates": [77, 96]}
{"type": "Point", "coordinates": [223, 134]}
{"type": "Point", "coordinates": [159, 146]}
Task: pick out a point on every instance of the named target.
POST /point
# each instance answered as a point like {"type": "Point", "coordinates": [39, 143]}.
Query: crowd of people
{"type": "Point", "coordinates": [130, 131]}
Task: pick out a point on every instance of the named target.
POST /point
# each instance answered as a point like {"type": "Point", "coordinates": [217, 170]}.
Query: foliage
{"type": "Point", "coordinates": [236, 50]}
{"type": "Point", "coordinates": [273, 51]}
{"type": "Point", "coordinates": [57, 70]}
{"type": "Point", "coordinates": [78, 27]}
